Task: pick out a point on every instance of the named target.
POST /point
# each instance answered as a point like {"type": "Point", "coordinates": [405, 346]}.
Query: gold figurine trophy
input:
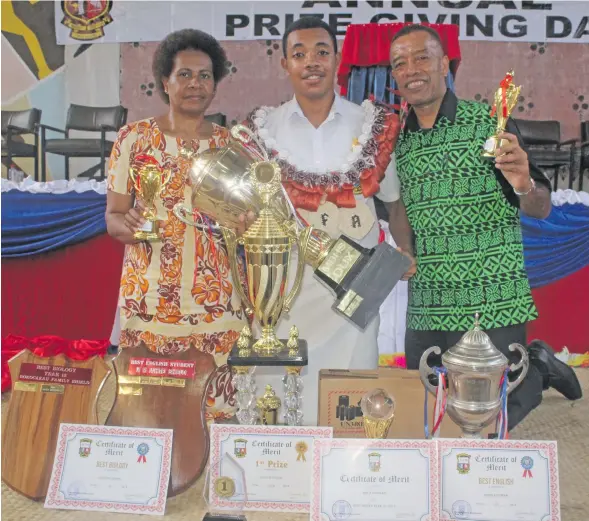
{"type": "Point", "coordinates": [224, 190]}
{"type": "Point", "coordinates": [149, 181]}
{"type": "Point", "coordinates": [506, 97]}
{"type": "Point", "coordinates": [378, 410]}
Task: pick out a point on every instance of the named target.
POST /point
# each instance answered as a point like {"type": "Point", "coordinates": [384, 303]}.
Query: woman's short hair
{"type": "Point", "coordinates": [171, 45]}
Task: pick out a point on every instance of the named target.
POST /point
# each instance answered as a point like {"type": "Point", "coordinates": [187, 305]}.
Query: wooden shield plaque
{"type": "Point", "coordinates": [45, 393]}
{"type": "Point", "coordinates": [167, 392]}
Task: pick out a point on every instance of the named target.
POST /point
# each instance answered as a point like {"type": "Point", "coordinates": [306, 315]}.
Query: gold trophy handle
{"type": "Point", "coordinates": [180, 211]}
{"type": "Point", "coordinates": [231, 242]}
{"type": "Point", "coordinates": [302, 242]}
{"type": "Point", "coordinates": [134, 179]}
{"type": "Point", "coordinates": [244, 135]}
{"type": "Point", "coordinates": [166, 178]}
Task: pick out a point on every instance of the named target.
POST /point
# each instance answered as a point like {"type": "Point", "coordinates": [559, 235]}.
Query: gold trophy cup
{"type": "Point", "coordinates": [506, 97]}
{"type": "Point", "coordinates": [228, 183]}
{"type": "Point", "coordinates": [149, 181]}
{"type": "Point", "coordinates": [267, 243]}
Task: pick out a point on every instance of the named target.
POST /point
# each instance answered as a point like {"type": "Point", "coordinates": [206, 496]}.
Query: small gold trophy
{"type": "Point", "coordinates": [149, 181]}
{"type": "Point", "coordinates": [269, 405]}
{"type": "Point", "coordinates": [506, 97]}
{"type": "Point", "coordinates": [378, 410]}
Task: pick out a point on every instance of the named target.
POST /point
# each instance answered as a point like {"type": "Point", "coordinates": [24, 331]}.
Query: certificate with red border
{"type": "Point", "coordinates": [499, 480]}
{"type": "Point", "coordinates": [111, 469]}
{"type": "Point", "coordinates": [258, 467]}
{"type": "Point", "coordinates": [375, 480]}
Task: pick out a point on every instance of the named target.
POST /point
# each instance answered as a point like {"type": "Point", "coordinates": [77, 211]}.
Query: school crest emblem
{"type": "Point", "coordinates": [463, 463]}
{"type": "Point", "coordinates": [86, 18]}
{"type": "Point", "coordinates": [85, 447]}
{"type": "Point", "coordinates": [374, 461]}
{"type": "Point", "coordinates": [240, 448]}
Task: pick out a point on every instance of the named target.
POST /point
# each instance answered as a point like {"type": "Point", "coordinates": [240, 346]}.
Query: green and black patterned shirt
{"type": "Point", "coordinates": [465, 219]}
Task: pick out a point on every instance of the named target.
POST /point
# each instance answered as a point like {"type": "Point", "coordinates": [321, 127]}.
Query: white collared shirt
{"type": "Point", "coordinates": [327, 147]}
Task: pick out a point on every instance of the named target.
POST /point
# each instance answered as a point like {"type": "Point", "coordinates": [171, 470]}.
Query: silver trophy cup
{"type": "Point", "coordinates": [475, 367]}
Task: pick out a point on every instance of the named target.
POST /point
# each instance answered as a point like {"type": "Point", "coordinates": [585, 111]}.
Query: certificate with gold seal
{"type": "Point", "coordinates": [499, 480]}
{"type": "Point", "coordinates": [259, 467]}
{"type": "Point", "coordinates": [374, 480]}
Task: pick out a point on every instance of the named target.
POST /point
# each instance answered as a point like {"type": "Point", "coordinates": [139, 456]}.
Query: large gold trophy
{"type": "Point", "coordinates": [223, 189]}
{"type": "Point", "coordinates": [149, 181]}
{"type": "Point", "coordinates": [228, 183]}
{"type": "Point", "coordinates": [241, 181]}
{"type": "Point", "coordinates": [506, 97]}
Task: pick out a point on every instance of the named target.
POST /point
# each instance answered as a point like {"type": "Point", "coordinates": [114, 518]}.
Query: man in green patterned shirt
{"type": "Point", "coordinates": [462, 221]}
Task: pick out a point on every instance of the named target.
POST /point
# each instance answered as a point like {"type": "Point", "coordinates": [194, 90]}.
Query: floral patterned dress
{"type": "Point", "coordinates": [176, 293]}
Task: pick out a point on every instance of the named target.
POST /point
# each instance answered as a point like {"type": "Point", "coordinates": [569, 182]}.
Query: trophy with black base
{"type": "Point", "coordinates": [232, 181]}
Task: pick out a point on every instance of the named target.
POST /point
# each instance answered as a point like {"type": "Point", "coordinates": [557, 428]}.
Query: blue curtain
{"type": "Point", "coordinates": [39, 223]}
{"type": "Point", "coordinates": [558, 246]}
{"type": "Point", "coordinates": [366, 81]}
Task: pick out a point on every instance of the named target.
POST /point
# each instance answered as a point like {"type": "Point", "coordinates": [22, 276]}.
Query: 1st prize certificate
{"type": "Point", "coordinates": [375, 480]}
{"type": "Point", "coordinates": [268, 468]}
{"type": "Point", "coordinates": [111, 469]}
{"type": "Point", "coordinates": [499, 480]}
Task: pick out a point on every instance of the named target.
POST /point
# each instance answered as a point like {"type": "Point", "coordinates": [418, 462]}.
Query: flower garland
{"type": "Point", "coordinates": [364, 167]}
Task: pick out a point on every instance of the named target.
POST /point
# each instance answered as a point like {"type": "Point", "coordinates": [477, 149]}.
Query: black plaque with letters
{"type": "Point", "coordinates": [361, 278]}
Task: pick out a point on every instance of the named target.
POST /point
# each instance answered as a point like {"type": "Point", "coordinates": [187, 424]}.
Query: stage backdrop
{"type": "Point", "coordinates": [554, 79]}
{"type": "Point", "coordinates": [128, 21]}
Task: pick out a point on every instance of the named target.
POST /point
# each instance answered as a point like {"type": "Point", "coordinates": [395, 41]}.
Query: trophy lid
{"type": "Point", "coordinates": [475, 351]}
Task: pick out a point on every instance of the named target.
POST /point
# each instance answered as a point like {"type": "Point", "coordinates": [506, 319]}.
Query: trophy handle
{"type": "Point", "coordinates": [523, 364]}
{"type": "Point", "coordinates": [231, 242]}
{"type": "Point", "coordinates": [167, 177]}
{"type": "Point", "coordinates": [302, 241]}
{"type": "Point", "coordinates": [180, 211]}
{"type": "Point", "coordinates": [425, 370]}
{"type": "Point", "coordinates": [133, 178]}
{"type": "Point", "coordinates": [244, 135]}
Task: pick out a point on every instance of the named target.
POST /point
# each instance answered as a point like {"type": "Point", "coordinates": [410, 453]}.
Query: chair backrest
{"type": "Point", "coordinates": [539, 132]}
{"type": "Point", "coordinates": [24, 119]}
{"type": "Point", "coordinates": [584, 131]}
{"type": "Point", "coordinates": [218, 118]}
{"type": "Point", "coordinates": [80, 117]}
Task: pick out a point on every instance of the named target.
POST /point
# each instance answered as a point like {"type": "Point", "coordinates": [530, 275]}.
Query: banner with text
{"type": "Point", "coordinates": [106, 21]}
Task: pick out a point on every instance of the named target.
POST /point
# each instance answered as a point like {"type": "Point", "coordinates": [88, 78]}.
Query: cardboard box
{"type": "Point", "coordinates": [340, 392]}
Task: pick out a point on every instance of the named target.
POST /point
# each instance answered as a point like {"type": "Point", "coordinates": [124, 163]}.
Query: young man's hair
{"type": "Point", "coordinates": [308, 22]}
{"type": "Point", "coordinates": [413, 28]}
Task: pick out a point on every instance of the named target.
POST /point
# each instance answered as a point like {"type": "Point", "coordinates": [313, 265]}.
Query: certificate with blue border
{"type": "Point", "coordinates": [111, 469]}
{"type": "Point", "coordinates": [499, 480]}
{"type": "Point", "coordinates": [375, 480]}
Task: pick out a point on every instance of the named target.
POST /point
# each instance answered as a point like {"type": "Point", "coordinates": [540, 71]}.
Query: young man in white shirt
{"type": "Point", "coordinates": [335, 155]}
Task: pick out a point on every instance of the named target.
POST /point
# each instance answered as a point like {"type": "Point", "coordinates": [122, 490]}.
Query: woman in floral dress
{"type": "Point", "coordinates": [176, 293]}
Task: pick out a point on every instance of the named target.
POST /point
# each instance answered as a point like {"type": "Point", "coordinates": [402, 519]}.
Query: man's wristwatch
{"type": "Point", "coordinates": [532, 187]}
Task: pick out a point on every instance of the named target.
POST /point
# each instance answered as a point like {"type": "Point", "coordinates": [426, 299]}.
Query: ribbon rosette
{"type": "Point", "coordinates": [527, 464]}
{"type": "Point", "coordinates": [142, 449]}
{"type": "Point", "coordinates": [301, 447]}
